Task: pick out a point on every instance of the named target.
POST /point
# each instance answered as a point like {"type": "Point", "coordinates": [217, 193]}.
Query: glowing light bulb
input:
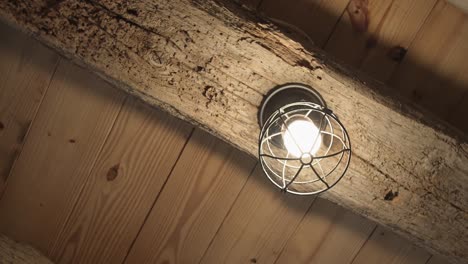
{"type": "Point", "coordinates": [301, 137]}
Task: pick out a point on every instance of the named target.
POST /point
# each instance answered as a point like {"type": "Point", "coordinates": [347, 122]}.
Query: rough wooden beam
{"type": "Point", "coordinates": [211, 64]}
{"type": "Point", "coordinates": [462, 4]}
{"type": "Point", "coordinates": [14, 252]}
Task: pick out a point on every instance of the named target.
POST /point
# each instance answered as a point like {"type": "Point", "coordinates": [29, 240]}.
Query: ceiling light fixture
{"type": "Point", "coordinates": [303, 147]}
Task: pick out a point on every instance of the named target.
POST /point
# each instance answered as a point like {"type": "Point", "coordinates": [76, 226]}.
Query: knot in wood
{"type": "Point", "coordinates": [391, 195]}
{"type": "Point", "coordinates": [113, 172]}
{"type": "Point", "coordinates": [214, 95]}
{"type": "Point", "coordinates": [358, 12]}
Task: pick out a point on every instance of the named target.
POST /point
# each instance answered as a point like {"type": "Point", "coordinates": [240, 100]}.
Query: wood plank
{"type": "Point", "coordinates": [200, 191]}
{"type": "Point", "coordinates": [65, 138]}
{"type": "Point", "coordinates": [374, 35]}
{"type": "Point", "coordinates": [386, 247]}
{"type": "Point", "coordinates": [259, 224]}
{"type": "Point", "coordinates": [211, 62]}
{"type": "Point", "coordinates": [130, 171]}
{"type": "Point", "coordinates": [26, 68]}
{"type": "Point", "coordinates": [436, 59]}
{"type": "Point", "coordinates": [328, 234]}
{"type": "Point", "coordinates": [316, 18]}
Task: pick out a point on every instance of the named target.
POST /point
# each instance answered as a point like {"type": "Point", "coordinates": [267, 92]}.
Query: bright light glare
{"type": "Point", "coordinates": [302, 136]}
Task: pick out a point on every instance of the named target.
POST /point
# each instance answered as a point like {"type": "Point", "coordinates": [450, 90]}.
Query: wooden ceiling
{"type": "Point", "coordinates": [92, 175]}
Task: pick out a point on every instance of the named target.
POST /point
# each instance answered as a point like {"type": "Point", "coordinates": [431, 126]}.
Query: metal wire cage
{"type": "Point", "coordinates": [304, 148]}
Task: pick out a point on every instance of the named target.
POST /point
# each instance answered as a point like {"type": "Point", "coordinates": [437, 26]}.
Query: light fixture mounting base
{"type": "Point", "coordinates": [286, 94]}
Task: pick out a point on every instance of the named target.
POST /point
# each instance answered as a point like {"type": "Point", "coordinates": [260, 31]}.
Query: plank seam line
{"type": "Point", "coordinates": [86, 180]}
{"type": "Point", "coordinates": [429, 259]}
{"type": "Point", "coordinates": [228, 212]}
{"type": "Point", "coordinates": [454, 109]}
{"type": "Point", "coordinates": [376, 33]}
{"type": "Point", "coordinates": [26, 136]}
{"type": "Point", "coordinates": [259, 6]}
{"type": "Point", "coordinates": [157, 196]}
{"type": "Point", "coordinates": [335, 26]}
{"type": "Point", "coordinates": [367, 240]}
{"type": "Point", "coordinates": [295, 229]}
{"type": "Point", "coordinates": [391, 77]}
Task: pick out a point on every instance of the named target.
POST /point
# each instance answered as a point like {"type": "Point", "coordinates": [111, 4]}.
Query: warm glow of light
{"type": "Point", "coordinates": [301, 137]}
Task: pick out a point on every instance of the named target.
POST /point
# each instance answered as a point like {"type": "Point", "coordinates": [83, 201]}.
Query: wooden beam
{"type": "Point", "coordinates": [462, 4]}
{"type": "Point", "coordinates": [14, 252]}
{"type": "Point", "coordinates": [211, 63]}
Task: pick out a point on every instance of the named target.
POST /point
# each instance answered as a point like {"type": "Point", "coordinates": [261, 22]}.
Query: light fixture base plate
{"type": "Point", "coordinates": [286, 94]}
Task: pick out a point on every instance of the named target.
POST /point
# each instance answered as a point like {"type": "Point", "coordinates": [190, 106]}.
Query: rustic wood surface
{"type": "Point", "coordinates": [62, 145]}
{"type": "Point", "coordinates": [441, 46]}
{"type": "Point", "coordinates": [325, 13]}
{"type": "Point", "coordinates": [180, 56]}
{"type": "Point", "coordinates": [417, 47]}
{"type": "Point", "coordinates": [385, 247]}
{"type": "Point", "coordinates": [387, 28]}
{"type": "Point", "coordinates": [462, 4]}
{"type": "Point", "coordinates": [132, 167]}
{"type": "Point", "coordinates": [181, 226]}
{"type": "Point", "coordinates": [193, 204]}
{"type": "Point", "coordinates": [27, 70]}
{"type": "Point", "coordinates": [436, 260]}
{"type": "Point", "coordinates": [19, 253]}
{"type": "Point", "coordinates": [259, 224]}
{"type": "Point", "coordinates": [326, 230]}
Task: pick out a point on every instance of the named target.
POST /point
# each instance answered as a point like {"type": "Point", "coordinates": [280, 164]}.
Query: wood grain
{"type": "Point", "coordinates": [75, 117]}
{"type": "Point", "coordinates": [130, 171]}
{"type": "Point", "coordinates": [26, 68]}
{"type": "Point", "coordinates": [316, 18]}
{"type": "Point", "coordinates": [441, 51]}
{"type": "Point", "coordinates": [374, 35]}
{"type": "Point", "coordinates": [327, 234]}
{"type": "Point", "coordinates": [211, 63]}
{"type": "Point", "coordinates": [385, 247]}
{"type": "Point", "coordinates": [202, 188]}
{"type": "Point", "coordinates": [259, 224]}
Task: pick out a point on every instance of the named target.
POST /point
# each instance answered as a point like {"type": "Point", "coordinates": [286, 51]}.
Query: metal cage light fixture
{"type": "Point", "coordinates": [303, 147]}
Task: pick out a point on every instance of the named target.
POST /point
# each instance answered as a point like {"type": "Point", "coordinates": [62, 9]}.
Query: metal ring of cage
{"type": "Point", "coordinates": [326, 167]}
